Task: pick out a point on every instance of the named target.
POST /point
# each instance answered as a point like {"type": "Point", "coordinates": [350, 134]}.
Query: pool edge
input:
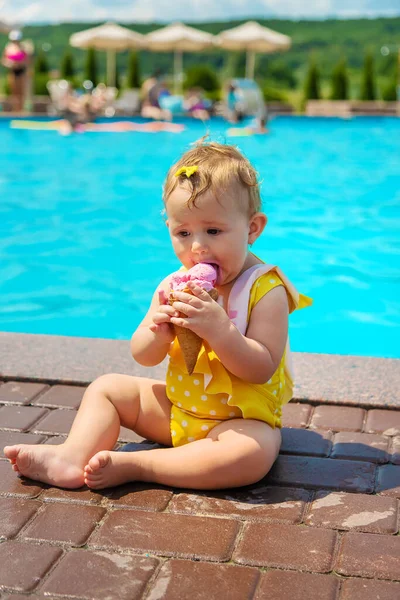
{"type": "Point", "coordinates": [331, 378]}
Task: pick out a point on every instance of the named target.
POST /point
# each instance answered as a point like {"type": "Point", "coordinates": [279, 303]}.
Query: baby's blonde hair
{"type": "Point", "coordinates": [219, 166]}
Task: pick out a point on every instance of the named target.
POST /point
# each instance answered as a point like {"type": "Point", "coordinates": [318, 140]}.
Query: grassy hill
{"type": "Point", "coordinates": [327, 41]}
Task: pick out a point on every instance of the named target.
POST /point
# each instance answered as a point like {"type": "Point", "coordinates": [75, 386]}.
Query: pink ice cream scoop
{"type": "Point", "coordinates": [203, 274]}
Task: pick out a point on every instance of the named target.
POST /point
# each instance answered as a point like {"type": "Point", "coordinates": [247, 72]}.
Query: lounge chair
{"type": "Point", "coordinates": [128, 103]}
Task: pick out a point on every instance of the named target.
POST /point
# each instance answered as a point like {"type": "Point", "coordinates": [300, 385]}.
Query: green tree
{"type": "Point", "coordinates": [133, 76]}
{"type": "Point", "coordinates": [311, 85]}
{"type": "Point", "coordinates": [67, 70]}
{"type": "Point", "coordinates": [117, 77]}
{"type": "Point", "coordinates": [40, 84]}
{"type": "Point", "coordinates": [41, 64]}
{"type": "Point", "coordinates": [368, 90]}
{"type": "Point", "coordinates": [235, 64]}
{"type": "Point", "coordinates": [91, 66]}
{"type": "Point", "coordinates": [340, 84]}
{"type": "Point", "coordinates": [276, 71]}
{"type": "Point", "coordinates": [389, 90]}
{"type": "Point", "coordinates": [202, 76]}
{"type": "Point", "coordinates": [273, 94]}
{"type": "Point", "coordinates": [41, 74]}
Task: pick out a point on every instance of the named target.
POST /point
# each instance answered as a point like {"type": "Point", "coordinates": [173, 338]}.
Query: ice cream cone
{"type": "Point", "coordinates": [189, 341]}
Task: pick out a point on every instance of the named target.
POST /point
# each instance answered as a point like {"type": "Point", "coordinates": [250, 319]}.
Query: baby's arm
{"type": "Point", "coordinates": [253, 357]}
{"type": "Point", "coordinates": [152, 339]}
{"type": "Point", "coordinates": [256, 356]}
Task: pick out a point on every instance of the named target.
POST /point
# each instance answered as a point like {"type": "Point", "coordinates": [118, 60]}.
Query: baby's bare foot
{"type": "Point", "coordinates": [106, 469]}
{"type": "Point", "coordinates": [49, 464]}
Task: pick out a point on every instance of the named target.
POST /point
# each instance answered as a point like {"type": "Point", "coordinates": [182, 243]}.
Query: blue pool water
{"type": "Point", "coordinates": [83, 244]}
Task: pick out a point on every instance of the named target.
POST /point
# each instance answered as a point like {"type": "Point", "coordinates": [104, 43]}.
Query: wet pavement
{"type": "Point", "coordinates": [323, 524]}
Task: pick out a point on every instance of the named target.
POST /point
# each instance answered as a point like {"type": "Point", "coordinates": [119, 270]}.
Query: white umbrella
{"type": "Point", "coordinates": [110, 37]}
{"type": "Point", "coordinates": [178, 38]}
{"type": "Point", "coordinates": [252, 37]}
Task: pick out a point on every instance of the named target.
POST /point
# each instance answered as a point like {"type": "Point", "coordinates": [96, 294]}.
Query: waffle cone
{"type": "Point", "coordinates": [189, 342]}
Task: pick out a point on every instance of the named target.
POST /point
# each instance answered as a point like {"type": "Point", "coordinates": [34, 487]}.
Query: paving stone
{"type": "Point", "coordinates": [296, 415]}
{"type": "Point", "coordinates": [262, 503]}
{"type": "Point", "coordinates": [388, 481]}
{"type": "Point", "coordinates": [100, 575]}
{"type": "Point", "coordinates": [383, 421]}
{"type": "Point", "coordinates": [20, 418]}
{"type": "Point", "coordinates": [56, 440]}
{"type": "Point", "coordinates": [396, 451]}
{"type": "Point", "coordinates": [138, 446]}
{"type": "Point", "coordinates": [361, 555]}
{"type": "Point", "coordinates": [138, 495]}
{"type": "Point", "coordinates": [14, 514]}
{"type": "Point", "coordinates": [127, 435]}
{"type": "Point", "coordinates": [361, 446]}
{"type": "Point", "coordinates": [11, 485]}
{"type": "Point", "coordinates": [22, 566]}
{"type": "Point", "coordinates": [61, 396]}
{"type": "Point", "coordinates": [369, 589]}
{"type": "Point", "coordinates": [70, 523]}
{"type": "Point", "coordinates": [183, 579]}
{"type": "Point", "coordinates": [82, 495]}
{"type": "Point", "coordinates": [17, 392]}
{"type": "Point", "coordinates": [287, 547]}
{"type": "Point", "coordinates": [357, 512]}
{"type": "Point", "coordinates": [305, 441]}
{"type": "Point", "coordinates": [9, 438]}
{"type": "Point", "coordinates": [338, 418]}
{"type": "Point", "coordinates": [21, 597]}
{"type": "Point", "coordinates": [290, 585]}
{"type": "Point", "coordinates": [168, 534]}
{"type": "Point", "coordinates": [317, 473]}
{"type": "Point", "coordinates": [58, 421]}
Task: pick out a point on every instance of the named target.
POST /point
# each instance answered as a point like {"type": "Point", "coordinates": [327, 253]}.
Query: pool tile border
{"type": "Point", "coordinates": [334, 379]}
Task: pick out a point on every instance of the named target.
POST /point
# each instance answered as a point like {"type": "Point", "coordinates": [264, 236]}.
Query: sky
{"type": "Point", "coordinates": [131, 11]}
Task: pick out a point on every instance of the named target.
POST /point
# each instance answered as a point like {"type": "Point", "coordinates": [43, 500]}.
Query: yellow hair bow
{"type": "Point", "coordinates": [188, 171]}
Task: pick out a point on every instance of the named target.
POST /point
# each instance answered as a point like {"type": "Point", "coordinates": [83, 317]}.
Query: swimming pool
{"type": "Point", "coordinates": [83, 244]}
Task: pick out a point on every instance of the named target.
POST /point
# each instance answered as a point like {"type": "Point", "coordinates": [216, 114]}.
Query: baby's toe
{"type": "Point", "coordinates": [99, 461]}
{"type": "Point", "coordinates": [11, 452]}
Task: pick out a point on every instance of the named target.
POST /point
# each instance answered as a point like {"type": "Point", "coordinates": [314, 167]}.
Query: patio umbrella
{"type": "Point", "coordinates": [252, 37]}
{"type": "Point", "coordinates": [178, 38]}
{"type": "Point", "coordinates": [109, 37]}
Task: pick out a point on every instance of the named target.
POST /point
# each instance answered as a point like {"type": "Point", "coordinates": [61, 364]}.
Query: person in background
{"type": "Point", "coordinates": [234, 114]}
{"type": "Point", "coordinates": [78, 110]}
{"type": "Point", "coordinates": [16, 59]}
{"type": "Point", "coordinates": [196, 104]}
{"type": "Point", "coordinates": [152, 89]}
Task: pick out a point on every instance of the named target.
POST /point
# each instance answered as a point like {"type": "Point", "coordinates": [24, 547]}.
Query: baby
{"type": "Point", "coordinates": [221, 423]}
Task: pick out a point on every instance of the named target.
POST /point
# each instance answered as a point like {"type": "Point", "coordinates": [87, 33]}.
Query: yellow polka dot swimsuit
{"type": "Point", "coordinates": [211, 394]}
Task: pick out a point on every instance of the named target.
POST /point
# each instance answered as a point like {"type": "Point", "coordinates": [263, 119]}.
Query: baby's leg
{"type": "Point", "coordinates": [110, 401]}
{"type": "Point", "coordinates": [235, 453]}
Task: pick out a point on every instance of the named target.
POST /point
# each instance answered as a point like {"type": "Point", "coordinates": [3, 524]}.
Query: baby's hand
{"type": "Point", "coordinates": [161, 325]}
{"type": "Point", "coordinates": [200, 313]}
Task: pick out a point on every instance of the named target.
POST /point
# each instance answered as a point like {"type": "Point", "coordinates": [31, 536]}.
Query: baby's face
{"type": "Point", "coordinates": [214, 231]}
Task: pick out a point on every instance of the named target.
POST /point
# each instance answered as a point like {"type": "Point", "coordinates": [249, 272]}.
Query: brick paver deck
{"type": "Point", "coordinates": [323, 524]}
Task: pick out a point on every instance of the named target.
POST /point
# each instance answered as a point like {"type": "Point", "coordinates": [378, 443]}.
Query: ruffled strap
{"type": "Point", "coordinates": [240, 294]}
